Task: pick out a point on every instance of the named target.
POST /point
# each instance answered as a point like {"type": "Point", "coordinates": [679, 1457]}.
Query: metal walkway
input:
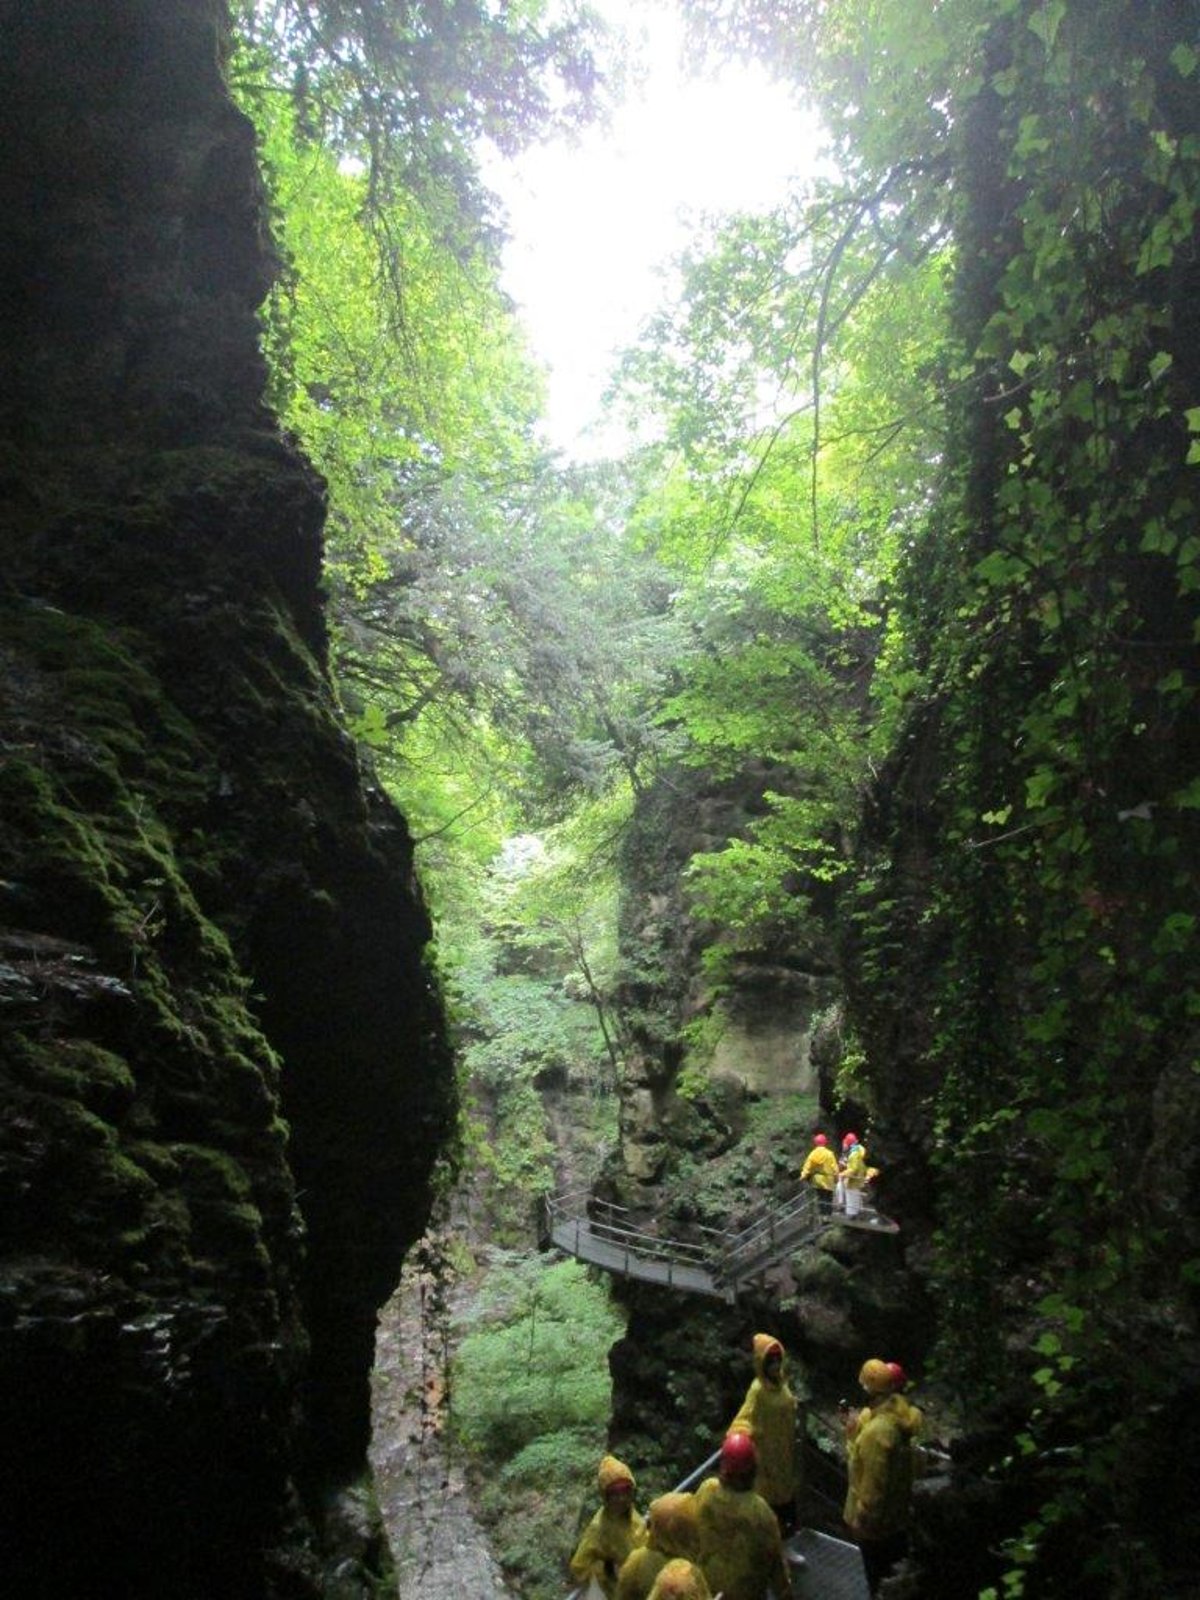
{"type": "Point", "coordinates": [602, 1235]}
{"type": "Point", "coordinates": [716, 1262]}
{"type": "Point", "coordinates": [833, 1568]}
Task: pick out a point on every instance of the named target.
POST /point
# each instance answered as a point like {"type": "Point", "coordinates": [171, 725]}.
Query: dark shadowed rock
{"type": "Point", "coordinates": [223, 1072]}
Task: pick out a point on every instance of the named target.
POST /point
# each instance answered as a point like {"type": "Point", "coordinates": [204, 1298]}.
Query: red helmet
{"type": "Point", "coordinates": [899, 1376]}
{"type": "Point", "coordinates": [819, 1138]}
{"type": "Point", "coordinates": [851, 1138]}
{"type": "Point", "coordinates": [738, 1453]}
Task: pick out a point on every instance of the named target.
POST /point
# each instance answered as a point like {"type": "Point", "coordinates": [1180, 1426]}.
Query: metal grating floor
{"type": "Point", "coordinates": [833, 1570]}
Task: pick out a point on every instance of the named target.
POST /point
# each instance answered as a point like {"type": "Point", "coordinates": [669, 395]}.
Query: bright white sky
{"type": "Point", "coordinates": [593, 223]}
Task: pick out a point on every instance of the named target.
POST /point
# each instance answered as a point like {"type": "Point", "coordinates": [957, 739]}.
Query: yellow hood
{"type": "Point", "coordinates": [876, 1376]}
{"type": "Point", "coordinates": [764, 1344]}
{"type": "Point", "coordinates": [680, 1580]}
{"type": "Point", "coordinates": [611, 1472]}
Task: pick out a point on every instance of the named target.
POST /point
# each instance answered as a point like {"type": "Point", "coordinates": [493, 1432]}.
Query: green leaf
{"type": "Point", "coordinates": [1039, 786]}
{"type": "Point", "coordinates": [1175, 934]}
{"type": "Point", "coordinates": [1030, 139]}
{"type": "Point", "coordinates": [1047, 21]}
{"type": "Point", "coordinates": [1183, 58]}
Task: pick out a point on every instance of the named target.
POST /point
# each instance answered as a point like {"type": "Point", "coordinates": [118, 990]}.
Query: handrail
{"type": "Point", "coordinates": [694, 1478]}
{"type": "Point", "coordinates": [624, 1210]}
{"type": "Point", "coordinates": [769, 1230]}
{"type": "Point", "coordinates": [665, 1253]}
{"type": "Point", "coordinates": [579, 1209]}
{"type": "Point", "coordinates": [767, 1223]}
{"type": "Point", "coordinates": [581, 1201]}
{"type": "Point", "coordinates": [718, 1262]}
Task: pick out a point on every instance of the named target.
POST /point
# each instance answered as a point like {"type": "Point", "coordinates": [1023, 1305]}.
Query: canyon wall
{"type": "Point", "coordinates": [225, 1080]}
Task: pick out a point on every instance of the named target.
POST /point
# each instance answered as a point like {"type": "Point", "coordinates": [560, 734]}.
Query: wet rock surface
{"type": "Point", "coordinates": [439, 1549]}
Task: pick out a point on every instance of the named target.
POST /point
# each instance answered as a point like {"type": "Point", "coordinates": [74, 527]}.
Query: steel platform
{"type": "Point", "coordinates": [832, 1570]}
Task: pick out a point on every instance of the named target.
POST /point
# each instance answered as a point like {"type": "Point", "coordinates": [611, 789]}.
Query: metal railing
{"type": "Point", "coordinates": [613, 1225]}
{"type": "Point", "coordinates": [592, 1229]}
{"type": "Point", "coordinates": [771, 1228]}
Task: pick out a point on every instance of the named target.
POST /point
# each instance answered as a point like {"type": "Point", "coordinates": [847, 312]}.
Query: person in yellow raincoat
{"type": "Point", "coordinates": [855, 1176]}
{"type": "Point", "coordinates": [671, 1532]}
{"type": "Point", "coordinates": [741, 1551]}
{"type": "Point", "coordinates": [613, 1532]}
{"type": "Point", "coordinates": [821, 1170]}
{"type": "Point", "coordinates": [881, 1466]}
{"type": "Point", "coordinates": [680, 1580]}
{"type": "Point", "coordinates": [768, 1415]}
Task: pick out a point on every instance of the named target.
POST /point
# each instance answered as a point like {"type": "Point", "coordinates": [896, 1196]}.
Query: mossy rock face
{"type": "Point", "coordinates": [222, 1067]}
{"type": "Point", "coordinates": [144, 1272]}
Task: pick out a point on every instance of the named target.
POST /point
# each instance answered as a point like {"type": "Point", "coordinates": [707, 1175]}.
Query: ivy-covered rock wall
{"type": "Point", "coordinates": [224, 1079]}
{"type": "Point", "coordinates": [1022, 946]}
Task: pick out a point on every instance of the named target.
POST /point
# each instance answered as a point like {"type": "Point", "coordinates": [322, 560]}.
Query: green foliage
{"type": "Point", "coordinates": [793, 377]}
{"type": "Point", "coordinates": [1040, 887]}
{"type": "Point", "coordinates": [773, 1138]}
{"type": "Point", "coordinates": [916, 501]}
{"type": "Point", "coordinates": [489, 627]}
{"type": "Point", "coordinates": [408, 92]}
{"type": "Point", "coordinates": [537, 1364]}
{"type": "Point", "coordinates": [531, 1398]}
{"type": "Point", "coordinates": [533, 1504]}
{"type": "Point", "coordinates": [527, 957]}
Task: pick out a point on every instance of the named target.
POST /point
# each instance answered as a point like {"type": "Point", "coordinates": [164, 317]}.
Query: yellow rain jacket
{"type": "Point", "coordinates": [680, 1580]}
{"type": "Point", "coordinates": [610, 1535]}
{"type": "Point", "coordinates": [909, 1416]}
{"type": "Point", "coordinates": [671, 1532]}
{"type": "Point", "coordinates": [740, 1547]}
{"type": "Point", "coordinates": [881, 1464]}
{"type": "Point", "coordinates": [768, 1415]}
{"type": "Point", "coordinates": [820, 1167]}
{"type": "Point", "coordinates": [855, 1172]}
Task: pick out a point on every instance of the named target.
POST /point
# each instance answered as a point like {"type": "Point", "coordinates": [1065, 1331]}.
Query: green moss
{"type": "Point", "coordinates": [209, 1174]}
{"type": "Point", "coordinates": [815, 1271]}
{"type": "Point", "coordinates": [78, 1068]}
{"type": "Point", "coordinates": [173, 1140]}
{"type": "Point", "coordinates": [772, 1138]}
{"type": "Point", "coordinates": [56, 1150]}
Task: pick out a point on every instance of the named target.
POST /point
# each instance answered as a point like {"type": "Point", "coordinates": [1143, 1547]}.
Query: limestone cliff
{"type": "Point", "coordinates": [224, 1074]}
{"type": "Point", "coordinates": [749, 1040]}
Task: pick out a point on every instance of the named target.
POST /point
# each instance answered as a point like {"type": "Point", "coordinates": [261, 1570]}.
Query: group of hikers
{"type": "Point", "coordinates": [726, 1541]}
{"type": "Point", "coordinates": [841, 1183]}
